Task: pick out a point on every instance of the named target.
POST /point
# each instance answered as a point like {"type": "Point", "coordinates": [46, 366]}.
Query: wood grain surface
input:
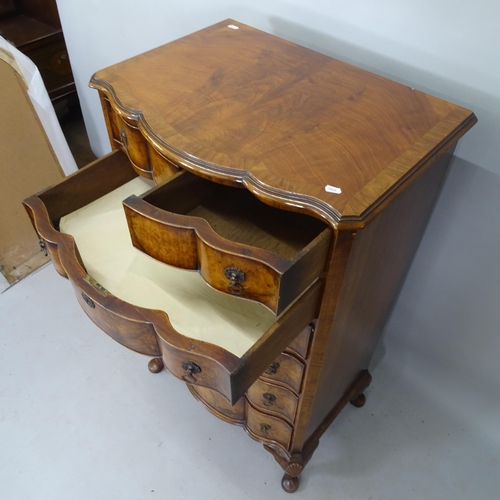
{"type": "Point", "coordinates": [244, 107]}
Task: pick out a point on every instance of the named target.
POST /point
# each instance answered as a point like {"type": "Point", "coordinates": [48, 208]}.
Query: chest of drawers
{"type": "Point", "coordinates": [252, 227]}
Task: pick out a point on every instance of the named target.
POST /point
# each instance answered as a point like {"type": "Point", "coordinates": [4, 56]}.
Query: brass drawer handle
{"type": "Point", "coordinates": [236, 277]}
{"type": "Point", "coordinates": [269, 399]}
{"type": "Point", "coordinates": [190, 368]}
{"type": "Point", "coordinates": [88, 300]}
{"type": "Point", "coordinates": [123, 138]}
{"type": "Point", "coordinates": [272, 368]}
{"type": "Point", "coordinates": [43, 247]}
{"type": "Point", "coordinates": [265, 428]}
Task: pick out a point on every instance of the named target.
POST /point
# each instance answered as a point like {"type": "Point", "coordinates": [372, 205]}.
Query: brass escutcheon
{"type": "Point", "coordinates": [88, 300]}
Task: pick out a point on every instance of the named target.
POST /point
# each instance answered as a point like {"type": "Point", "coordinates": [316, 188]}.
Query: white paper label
{"type": "Point", "coordinates": [332, 189]}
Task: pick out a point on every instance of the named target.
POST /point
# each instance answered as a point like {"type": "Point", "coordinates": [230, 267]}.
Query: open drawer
{"type": "Point", "coordinates": [239, 245]}
{"type": "Point", "coordinates": [205, 337]}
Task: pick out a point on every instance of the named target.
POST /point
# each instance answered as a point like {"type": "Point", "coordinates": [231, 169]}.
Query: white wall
{"type": "Point", "coordinates": [443, 334]}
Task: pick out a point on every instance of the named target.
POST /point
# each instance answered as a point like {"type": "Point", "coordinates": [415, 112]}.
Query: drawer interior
{"type": "Point", "coordinates": [237, 215]}
{"type": "Point", "coordinates": [194, 309]}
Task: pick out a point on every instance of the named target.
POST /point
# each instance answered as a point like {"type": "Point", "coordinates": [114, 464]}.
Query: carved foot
{"type": "Point", "coordinates": [155, 365]}
{"type": "Point", "coordinates": [359, 401]}
{"type": "Point", "coordinates": [289, 483]}
{"type": "Point", "coordinates": [293, 464]}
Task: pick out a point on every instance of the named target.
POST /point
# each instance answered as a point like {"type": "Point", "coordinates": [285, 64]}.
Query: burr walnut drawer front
{"type": "Point", "coordinates": [98, 304]}
{"type": "Point", "coordinates": [125, 135]}
{"type": "Point", "coordinates": [206, 338]}
{"type": "Point", "coordinates": [287, 370]}
{"type": "Point", "coordinates": [273, 399]}
{"type": "Point", "coordinates": [268, 428]}
{"type": "Point", "coordinates": [219, 405]}
{"type": "Point", "coordinates": [239, 245]}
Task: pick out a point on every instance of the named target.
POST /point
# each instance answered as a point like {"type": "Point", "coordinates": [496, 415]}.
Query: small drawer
{"type": "Point", "coordinates": [206, 338]}
{"type": "Point", "coordinates": [285, 369]}
{"type": "Point", "coordinates": [300, 345]}
{"type": "Point", "coordinates": [219, 405]}
{"type": "Point", "coordinates": [273, 399]}
{"type": "Point", "coordinates": [240, 245]}
{"type": "Point", "coordinates": [267, 428]}
{"type": "Point", "coordinates": [127, 136]}
{"type": "Point", "coordinates": [163, 169]}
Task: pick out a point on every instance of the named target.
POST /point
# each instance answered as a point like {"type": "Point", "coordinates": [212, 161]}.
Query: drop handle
{"type": "Point", "coordinates": [236, 277]}
{"type": "Point", "coordinates": [190, 368]}
{"type": "Point", "coordinates": [43, 247]}
{"type": "Point", "coordinates": [272, 368]}
{"type": "Point", "coordinates": [265, 428]}
{"type": "Point", "coordinates": [269, 399]}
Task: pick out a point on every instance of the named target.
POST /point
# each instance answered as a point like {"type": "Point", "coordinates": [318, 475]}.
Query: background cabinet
{"type": "Point", "coordinates": [33, 26]}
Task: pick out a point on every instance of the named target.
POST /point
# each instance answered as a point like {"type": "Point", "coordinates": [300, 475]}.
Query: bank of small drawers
{"type": "Point", "coordinates": [272, 400]}
{"type": "Point", "coordinates": [145, 158]}
{"type": "Point", "coordinates": [269, 408]}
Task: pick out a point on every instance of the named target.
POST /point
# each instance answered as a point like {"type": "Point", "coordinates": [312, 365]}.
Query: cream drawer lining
{"type": "Point", "coordinates": [194, 309]}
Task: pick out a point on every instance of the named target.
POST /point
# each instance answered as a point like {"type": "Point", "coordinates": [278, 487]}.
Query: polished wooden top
{"type": "Point", "coordinates": [244, 107]}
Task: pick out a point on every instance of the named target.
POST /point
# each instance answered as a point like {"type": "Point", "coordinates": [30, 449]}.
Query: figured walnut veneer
{"type": "Point", "coordinates": [250, 140]}
{"type": "Point", "coordinates": [248, 108]}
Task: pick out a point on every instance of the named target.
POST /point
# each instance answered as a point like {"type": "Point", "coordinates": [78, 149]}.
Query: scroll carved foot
{"type": "Point", "coordinates": [155, 365]}
{"type": "Point", "coordinates": [289, 483]}
{"type": "Point", "coordinates": [293, 464]}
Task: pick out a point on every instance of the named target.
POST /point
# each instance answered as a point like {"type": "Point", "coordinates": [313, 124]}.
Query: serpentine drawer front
{"type": "Point", "coordinates": [215, 340]}
{"type": "Point", "coordinates": [254, 225]}
{"type": "Point", "coordinates": [240, 245]}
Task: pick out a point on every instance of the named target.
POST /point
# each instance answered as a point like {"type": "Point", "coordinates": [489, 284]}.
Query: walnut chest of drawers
{"type": "Point", "coordinates": [252, 227]}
